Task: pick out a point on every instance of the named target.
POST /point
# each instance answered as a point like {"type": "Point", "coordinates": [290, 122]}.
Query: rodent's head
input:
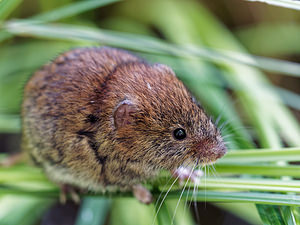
{"type": "Point", "coordinates": [156, 121]}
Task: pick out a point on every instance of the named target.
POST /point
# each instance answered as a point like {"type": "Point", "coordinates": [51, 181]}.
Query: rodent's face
{"type": "Point", "coordinates": [159, 123]}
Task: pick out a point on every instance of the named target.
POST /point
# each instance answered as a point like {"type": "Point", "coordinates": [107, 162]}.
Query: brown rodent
{"type": "Point", "coordinates": [101, 117]}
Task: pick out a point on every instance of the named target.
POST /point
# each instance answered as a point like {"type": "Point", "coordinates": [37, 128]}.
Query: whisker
{"type": "Point", "coordinates": [225, 128]}
{"type": "Point", "coordinates": [157, 200]}
{"type": "Point", "coordinates": [223, 125]}
{"type": "Point", "coordinates": [248, 128]}
{"type": "Point", "coordinates": [195, 202]}
{"type": "Point", "coordinates": [216, 172]}
{"type": "Point", "coordinates": [186, 200]}
{"type": "Point", "coordinates": [205, 186]}
{"type": "Point", "coordinates": [227, 136]}
{"type": "Point", "coordinates": [238, 138]}
{"type": "Point", "coordinates": [182, 193]}
{"type": "Point", "coordinates": [211, 170]}
{"type": "Point", "coordinates": [195, 205]}
{"type": "Point", "coordinates": [164, 199]}
{"type": "Point", "coordinates": [218, 119]}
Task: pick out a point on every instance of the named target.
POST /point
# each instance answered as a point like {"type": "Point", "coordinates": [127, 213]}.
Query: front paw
{"type": "Point", "coordinates": [186, 173]}
{"type": "Point", "coordinates": [142, 194]}
{"type": "Point", "coordinates": [66, 190]}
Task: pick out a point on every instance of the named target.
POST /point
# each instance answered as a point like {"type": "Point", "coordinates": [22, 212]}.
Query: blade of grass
{"type": "Point", "coordinates": [143, 43]}
{"type": "Point", "coordinates": [7, 6]}
{"type": "Point", "coordinates": [267, 170]}
{"type": "Point", "coordinates": [205, 195]}
{"type": "Point", "coordinates": [279, 38]}
{"type": "Point", "coordinates": [261, 155]}
{"type": "Point", "coordinates": [296, 214]}
{"type": "Point", "coordinates": [25, 210]}
{"type": "Point", "coordinates": [54, 15]}
{"type": "Point", "coordinates": [163, 216]}
{"type": "Point", "coordinates": [282, 3]}
{"type": "Point", "coordinates": [10, 123]}
{"type": "Point", "coordinates": [93, 211]}
{"type": "Point", "coordinates": [71, 10]}
{"type": "Point", "coordinates": [270, 215]}
{"type": "Point", "coordinates": [249, 197]}
{"type": "Point", "coordinates": [287, 215]}
{"type": "Point", "coordinates": [120, 215]}
{"type": "Point", "coordinates": [181, 216]}
{"type": "Point", "coordinates": [250, 185]}
{"type": "Point", "coordinates": [22, 173]}
{"type": "Point", "coordinates": [262, 182]}
{"type": "Point", "coordinates": [237, 184]}
{"type": "Point", "coordinates": [244, 211]}
{"type": "Point", "coordinates": [290, 98]}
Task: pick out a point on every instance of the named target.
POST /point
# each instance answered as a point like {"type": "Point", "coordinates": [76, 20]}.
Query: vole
{"type": "Point", "coordinates": [101, 117]}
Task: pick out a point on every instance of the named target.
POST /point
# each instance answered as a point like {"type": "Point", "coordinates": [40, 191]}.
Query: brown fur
{"type": "Point", "coordinates": [100, 117]}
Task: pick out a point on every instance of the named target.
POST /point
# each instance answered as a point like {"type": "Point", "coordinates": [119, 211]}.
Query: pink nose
{"type": "Point", "coordinates": [210, 150]}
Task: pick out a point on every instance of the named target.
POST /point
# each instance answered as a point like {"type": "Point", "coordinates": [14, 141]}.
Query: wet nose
{"type": "Point", "coordinates": [210, 150]}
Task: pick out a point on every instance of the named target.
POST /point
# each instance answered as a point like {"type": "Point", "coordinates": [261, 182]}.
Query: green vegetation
{"type": "Point", "coordinates": [210, 60]}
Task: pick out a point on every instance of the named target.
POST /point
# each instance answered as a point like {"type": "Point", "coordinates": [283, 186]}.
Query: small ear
{"type": "Point", "coordinates": [123, 114]}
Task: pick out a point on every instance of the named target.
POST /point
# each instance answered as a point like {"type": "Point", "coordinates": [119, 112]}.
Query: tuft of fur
{"type": "Point", "coordinates": [69, 127]}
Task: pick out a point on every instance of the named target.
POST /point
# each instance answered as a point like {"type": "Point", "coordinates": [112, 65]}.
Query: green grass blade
{"type": "Point", "coordinates": [287, 215]}
{"type": "Point", "coordinates": [290, 98]}
{"type": "Point", "coordinates": [249, 197]}
{"type": "Point", "coordinates": [200, 195]}
{"type": "Point", "coordinates": [7, 6]}
{"type": "Point", "coordinates": [25, 210]}
{"type": "Point", "coordinates": [282, 3]}
{"type": "Point", "coordinates": [267, 170]}
{"type": "Point", "coordinates": [146, 44]}
{"type": "Point", "coordinates": [24, 180]}
{"type": "Point", "coordinates": [163, 216]}
{"type": "Point", "coordinates": [182, 215]}
{"type": "Point", "coordinates": [247, 212]}
{"type": "Point", "coordinates": [54, 15]}
{"type": "Point", "coordinates": [231, 184]}
{"type": "Point", "coordinates": [71, 10]}
{"type": "Point", "coordinates": [93, 211]}
{"type": "Point", "coordinates": [296, 213]}
{"type": "Point", "coordinates": [279, 38]}
{"type": "Point", "coordinates": [261, 155]}
{"type": "Point", "coordinates": [5, 35]}
{"type": "Point", "coordinates": [270, 215]}
{"type": "Point", "coordinates": [10, 123]}
{"type": "Point", "coordinates": [121, 215]}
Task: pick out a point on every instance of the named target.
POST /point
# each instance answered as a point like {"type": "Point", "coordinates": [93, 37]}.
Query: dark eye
{"type": "Point", "coordinates": [179, 134]}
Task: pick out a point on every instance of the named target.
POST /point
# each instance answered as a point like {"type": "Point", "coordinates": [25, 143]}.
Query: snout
{"type": "Point", "coordinates": [208, 151]}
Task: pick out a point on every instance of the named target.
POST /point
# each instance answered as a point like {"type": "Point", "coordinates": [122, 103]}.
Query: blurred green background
{"type": "Point", "coordinates": [239, 59]}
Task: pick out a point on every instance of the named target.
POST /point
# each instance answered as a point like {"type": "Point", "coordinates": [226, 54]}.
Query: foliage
{"type": "Point", "coordinates": [210, 61]}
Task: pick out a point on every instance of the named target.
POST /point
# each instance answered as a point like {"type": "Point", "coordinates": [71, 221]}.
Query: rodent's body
{"type": "Point", "coordinates": [101, 117]}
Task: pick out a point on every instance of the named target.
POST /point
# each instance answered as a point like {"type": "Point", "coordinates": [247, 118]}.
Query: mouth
{"type": "Point", "coordinates": [207, 162]}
